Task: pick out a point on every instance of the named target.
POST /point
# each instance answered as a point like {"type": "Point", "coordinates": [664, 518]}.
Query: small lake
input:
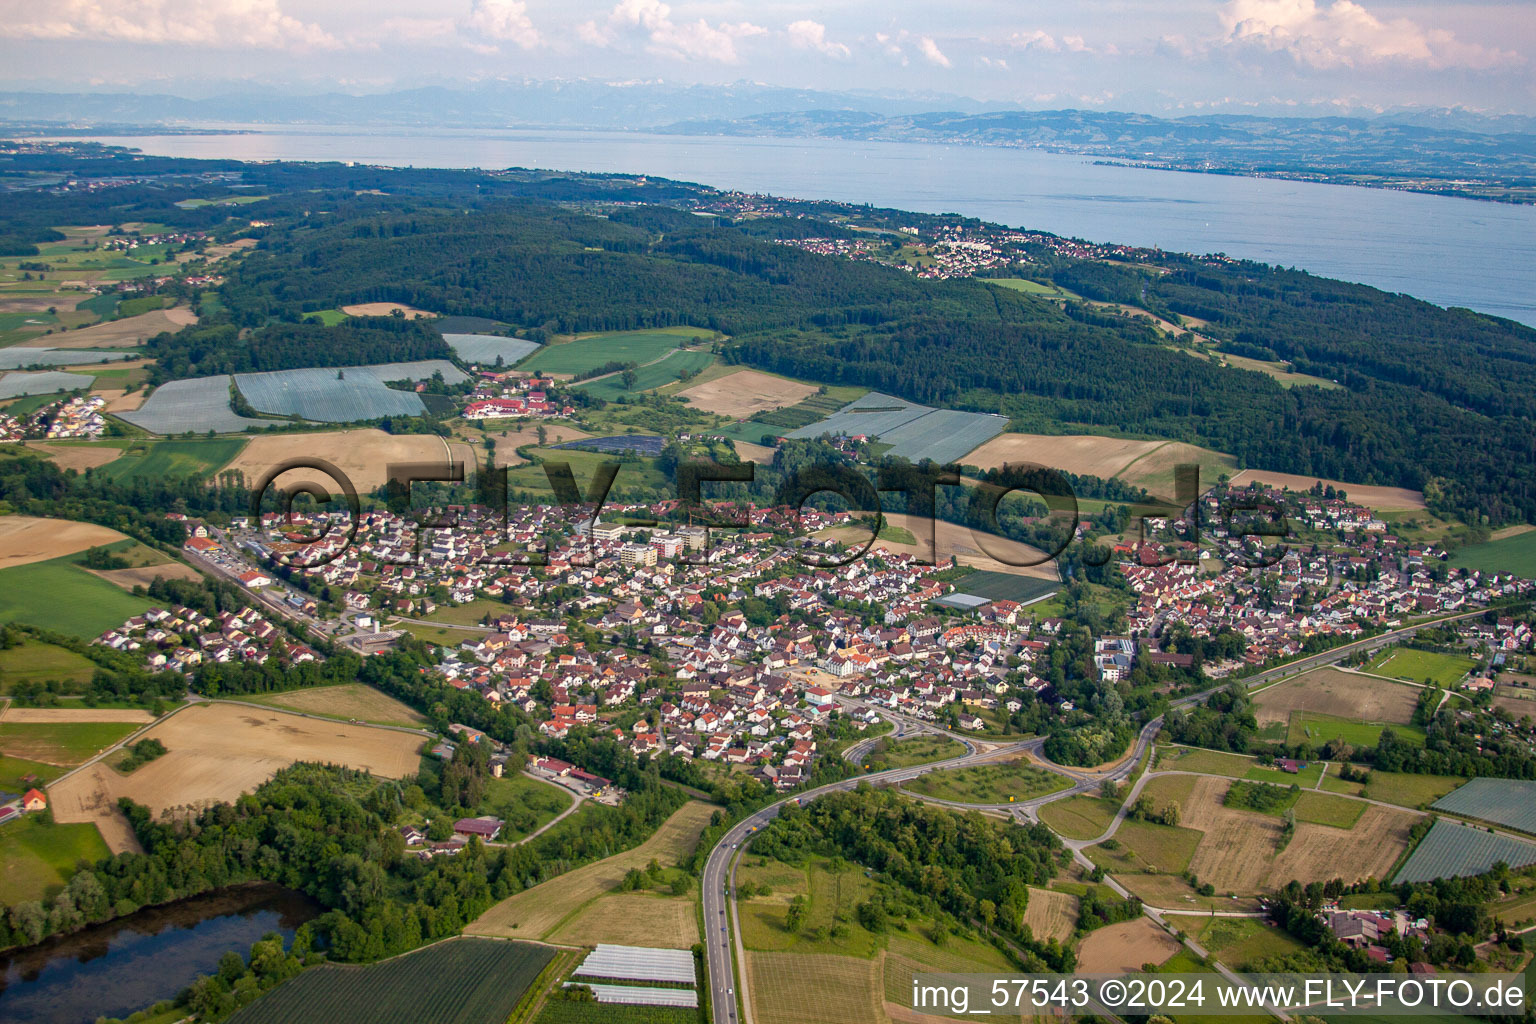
{"type": "Point", "coordinates": [126, 965]}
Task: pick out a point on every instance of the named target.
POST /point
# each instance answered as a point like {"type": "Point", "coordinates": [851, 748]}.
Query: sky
{"type": "Point", "coordinates": [1157, 56]}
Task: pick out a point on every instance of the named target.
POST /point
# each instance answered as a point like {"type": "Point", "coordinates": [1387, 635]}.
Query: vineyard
{"type": "Point", "coordinates": [462, 981]}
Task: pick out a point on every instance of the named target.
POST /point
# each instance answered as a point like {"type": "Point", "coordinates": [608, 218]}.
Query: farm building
{"type": "Point", "coordinates": [34, 800]}
{"type": "Point", "coordinates": [485, 827]}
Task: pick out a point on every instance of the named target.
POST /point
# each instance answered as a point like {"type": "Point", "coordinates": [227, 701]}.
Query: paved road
{"type": "Point", "coordinates": [722, 938]}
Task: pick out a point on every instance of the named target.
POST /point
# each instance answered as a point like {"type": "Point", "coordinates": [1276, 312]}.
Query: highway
{"type": "Point", "coordinates": [722, 930]}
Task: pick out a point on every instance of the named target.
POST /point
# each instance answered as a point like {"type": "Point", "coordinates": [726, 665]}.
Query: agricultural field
{"type": "Point", "coordinates": [460, 981]}
{"type": "Point", "coordinates": [79, 602]}
{"type": "Point", "coordinates": [743, 393]}
{"type": "Point", "coordinates": [1122, 948]}
{"type": "Point", "coordinates": [363, 455]}
{"type": "Point", "coordinates": [635, 919]}
{"type": "Point", "coordinates": [1143, 846]}
{"type": "Point", "coordinates": [159, 460]}
{"type": "Point", "coordinates": [1316, 729]}
{"type": "Point", "coordinates": [42, 383]}
{"type": "Point", "coordinates": [1239, 940]}
{"type": "Point", "coordinates": [1005, 586]}
{"type": "Point", "coordinates": [909, 953]}
{"type": "Point", "coordinates": [37, 858]}
{"type": "Point", "coordinates": [641, 473]}
{"type": "Point", "coordinates": [526, 804]}
{"type": "Point", "coordinates": [537, 912]}
{"type": "Point", "coordinates": [1156, 470]}
{"type": "Point", "coordinates": [1083, 454]}
{"type": "Point", "coordinates": [570, 1011]}
{"type": "Point", "coordinates": [15, 358]}
{"type": "Point", "coordinates": [78, 457]}
{"type": "Point", "coordinates": [1208, 762]}
{"type": "Point", "coordinates": [1509, 802]}
{"type": "Point", "coordinates": [61, 743]}
{"type": "Point", "coordinates": [1393, 498]}
{"type": "Point", "coordinates": [34, 660]}
{"type": "Point", "coordinates": [349, 700]}
{"type": "Point", "coordinates": [959, 541]}
{"type": "Point", "coordinates": [1019, 284]}
{"type": "Point", "coordinates": [1337, 694]}
{"type": "Point", "coordinates": [484, 349]}
{"type": "Point", "coordinates": [76, 714]}
{"type": "Point", "coordinates": [28, 539]}
{"type": "Point", "coordinates": [345, 394]}
{"type": "Point", "coordinates": [128, 332]}
{"type": "Point", "coordinates": [845, 989]}
{"type": "Point", "coordinates": [1516, 554]}
{"type": "Point", "coordinates": [195, 406]}
{"type": "Point", "coordinates": [654, 375]}
{"type": "Point", "coordinates": [1453, 850]}
{"type": "Point", "coordinates": [1080, 817]}
{"type": "Point", "coordinates": [1408, 790]}
{"type": "Point", "coordinates": [218, 751]}
{"type": "Point", "coordinates": [1281, 372]}
{"type": "Point", "coordinates": [988, 784]}
{"type": "Point", "coordinates": [1241, 850]}
{"type": "Point", "coordinates": [912, 431]}
{"type": "Point", "coordinates": [1328, 809]}
{"type": "Point", "coordinates": [588, 352]}
{"type": "Point", "coordinates": [1442, 670]}
{"type": "Point", "coordinates": [386, 309]}
{"type": "Point", "coordinates": [1051, 914]}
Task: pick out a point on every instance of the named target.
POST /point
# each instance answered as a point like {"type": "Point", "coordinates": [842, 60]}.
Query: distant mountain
{"type": "Point", "coordinates": [577, 103]}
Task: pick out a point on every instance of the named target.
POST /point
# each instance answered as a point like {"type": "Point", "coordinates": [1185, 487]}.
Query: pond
{"type": "Point", "coordinates": [125, 965]}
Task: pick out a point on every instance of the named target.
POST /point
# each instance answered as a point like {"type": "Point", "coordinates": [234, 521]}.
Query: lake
{"type": "Point", "coordinates": [126, 965]}
{"type": "Point", "coordinates": [1455, 252]}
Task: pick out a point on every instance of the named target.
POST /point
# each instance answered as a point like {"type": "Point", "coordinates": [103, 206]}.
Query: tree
{"type": "Point", "coordinates": [796, 914]}
{"type": "Point", "coordinates": [628, 377]}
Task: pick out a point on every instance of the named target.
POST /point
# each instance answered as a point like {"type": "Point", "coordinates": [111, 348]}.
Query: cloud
{"type": "Point", "coordinates": [504, 21]}
{"type": "Point", "coordinates": [812, 35]}
{"type": "Point", "coordinates": [1034, 39]}
{"type": "Point", "coordinates": [219, 24]}
{"type": "Point", "coordinates": [932, 53]}
{"type": "Point", "coordinates": [650, 22]}
{"type": "Point", "coordinates": [1345, 34]}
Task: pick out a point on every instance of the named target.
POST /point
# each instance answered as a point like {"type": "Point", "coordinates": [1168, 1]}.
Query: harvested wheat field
{"type": "Point", "coordinates": [633, 919]}
{"type": "Point", "coordinates": [809, 988]}
{"type": "Point", "coordinates": [1155, 470]}
{"type": "Point", "coordinates": [1075, 453]}
{"type": "Point", "coordinates": [1331, 691]}
{"type": "Point", "coordinates": [1122, 948]}
{"type": "Point", "coordinates": [363, 455]}
{"type": "Point", "coordinates": [1318, 853]}
{"type": "Point", "coordinates": [385, 309]}
{"type": "Point", "coordinates": [1364, 494]}
{"type": "Point", "coordinates": [214, 253]}
{"type": "Point", "coordinates": [534, 913]}
{"type": "Point", "coordinates": [25, 539]}
{"type": "Point", "coordinates": [746, 451]}
{"type": "Point", "coordinates": [952, 539]}
{"type": "Point", "coordinates": [1238, 853]}
{"type": "Point", "coordinates": [76, 457]}
{"type": "Point", "coordinates": [218, 751]}
{"type": "Point", "coordinates": [745, 392]}
{"type": "Point", "coordinates": [123, 401]}
{"type": "Point", "coordinates": [1051, 914]}
{"type": "Point", "coordinates": [52, 715]}
{"type": "Point", "coordinates": [144, 575]}
{"type": "Point", "coordinates": [125, 333]}
{"type": "Point", "coordinates": [348, 700]}
{"type": "Point", "coordinates": [507, 444]}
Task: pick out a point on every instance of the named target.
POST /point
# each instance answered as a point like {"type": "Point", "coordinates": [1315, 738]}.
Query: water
{"type": "Point", "coordinates": [1450, 251]}
{"type": "Point", "coordinates": [126, 965]}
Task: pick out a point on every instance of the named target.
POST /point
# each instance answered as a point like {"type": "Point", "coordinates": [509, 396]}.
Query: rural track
{"type": "Point", "coordinates": [724, 948]}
